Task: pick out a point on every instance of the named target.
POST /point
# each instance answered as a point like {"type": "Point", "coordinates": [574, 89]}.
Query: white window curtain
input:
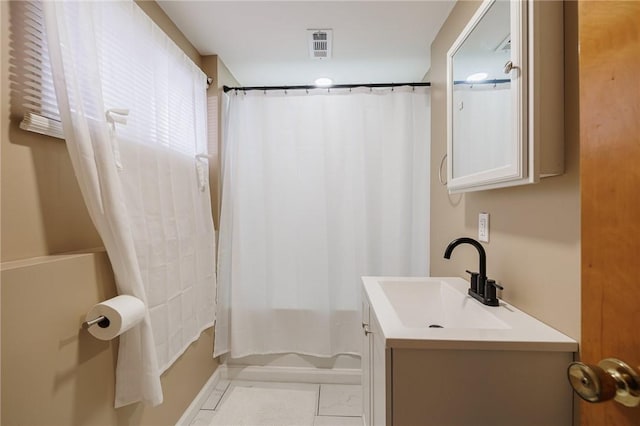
{"type": "Point", "coordinates": [133, 110]}
{"type": "Point", "coordinates": [319, 189]}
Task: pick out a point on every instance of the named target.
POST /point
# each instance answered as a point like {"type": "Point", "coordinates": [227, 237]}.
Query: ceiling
{"type": "Point", "coordinates": [264, 43]}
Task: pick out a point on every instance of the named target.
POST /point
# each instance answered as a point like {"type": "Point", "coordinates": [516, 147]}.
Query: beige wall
{"type": "Point", "coordinates": [53, 373]}
{"type": "Point", "coordinates": [216, 69]}
{"type": "Point", "coordinates": [534, 248]}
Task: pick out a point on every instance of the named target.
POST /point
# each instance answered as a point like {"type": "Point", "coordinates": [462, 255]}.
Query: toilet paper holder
{"type": "Point", "coordinates": [102, 321]}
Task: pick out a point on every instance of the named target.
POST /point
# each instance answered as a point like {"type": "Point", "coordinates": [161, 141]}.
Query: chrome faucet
{"type": "Point", "coordinates": [481, 288]}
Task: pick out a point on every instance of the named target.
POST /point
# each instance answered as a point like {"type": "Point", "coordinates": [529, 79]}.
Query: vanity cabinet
{"type": "Point", "coordinates": [505, 96]}
{"type": "Point", "coordinates": [376, 359]}
{"type": "Point", "coordinates": [408, 383]}
{"type": "Point", "coordinates": [366, 364]}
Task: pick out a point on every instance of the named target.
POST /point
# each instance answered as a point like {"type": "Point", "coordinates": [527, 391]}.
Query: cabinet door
{"type": "Point", "coordinates": [505, 96]}
{"type": "Point", "coordinates": [379, 372]}
{"type": "Point", "coordinates": [366, 362]}
{"type": "Point", "coordinates": [486, 98]}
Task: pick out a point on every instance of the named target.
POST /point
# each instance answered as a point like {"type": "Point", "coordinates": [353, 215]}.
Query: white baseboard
{"type": "Point", "coordinates": [259, 373]}
{"type": "Point", "coordinates": [192, 410]}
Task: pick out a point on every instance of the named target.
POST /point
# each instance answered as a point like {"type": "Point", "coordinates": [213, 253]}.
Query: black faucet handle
{"type": "Point", "coordinates": [490, 296]}
{"type": "Point", "coordinates": [494, 284]}
{"type": "Point", "coordinates": [473, 281]}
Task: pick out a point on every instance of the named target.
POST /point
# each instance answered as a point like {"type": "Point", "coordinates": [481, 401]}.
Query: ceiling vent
{"type": "Point", "coordinates": [320, 42]}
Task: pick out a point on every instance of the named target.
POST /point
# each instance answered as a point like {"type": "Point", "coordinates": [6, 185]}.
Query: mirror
{"type": "Point", "coordinates": [482, 109]}
{"type": "Point", "coordinates": [486, 130]}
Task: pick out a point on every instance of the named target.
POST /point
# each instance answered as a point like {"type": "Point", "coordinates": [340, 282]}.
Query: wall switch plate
{"type": "Point", "coordinates": [483, 227]}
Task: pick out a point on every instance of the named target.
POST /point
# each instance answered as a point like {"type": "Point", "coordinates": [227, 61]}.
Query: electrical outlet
{"type": "Point", "coordinates": [483, 227]}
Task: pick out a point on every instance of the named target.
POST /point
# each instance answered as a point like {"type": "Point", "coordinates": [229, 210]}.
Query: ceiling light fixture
{"type": "Point", "coordinates": [323, 82]}
{"type": "Point", "coordinates": [479, 76]}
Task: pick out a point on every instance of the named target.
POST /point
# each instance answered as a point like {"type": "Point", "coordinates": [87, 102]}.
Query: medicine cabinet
{"type": "Point", "coordinates": [505, 96]}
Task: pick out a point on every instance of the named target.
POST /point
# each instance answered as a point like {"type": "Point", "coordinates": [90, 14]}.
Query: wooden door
{"type": "Point", "coordinates": [609, 61]}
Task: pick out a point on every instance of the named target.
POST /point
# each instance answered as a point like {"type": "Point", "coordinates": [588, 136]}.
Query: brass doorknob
{"type": "Point", "coordinates": [610, 379]}
{"type": "Point", "coordinates": [509, 66]}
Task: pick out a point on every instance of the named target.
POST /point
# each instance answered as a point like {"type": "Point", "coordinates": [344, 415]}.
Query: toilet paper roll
{"type": "Point", "coordinates": [123, 312]}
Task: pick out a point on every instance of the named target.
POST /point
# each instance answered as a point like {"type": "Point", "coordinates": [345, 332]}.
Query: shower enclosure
{"type": "Point", "coordinates": [319, 188]}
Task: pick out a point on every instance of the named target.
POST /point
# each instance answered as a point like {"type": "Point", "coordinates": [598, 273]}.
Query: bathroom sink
{"type": "Point", "coordinates": [437, 312]}
{"type": "Point", "coordinates": [435, 303]}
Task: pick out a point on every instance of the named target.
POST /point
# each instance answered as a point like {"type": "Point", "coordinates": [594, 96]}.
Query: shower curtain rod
{"type": "Point", "coordinates": [473, 83]}
{"type": "Point", "coordinates": [334, 86]}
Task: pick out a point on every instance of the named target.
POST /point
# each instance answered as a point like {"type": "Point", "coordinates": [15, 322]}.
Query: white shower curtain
{"type": "Point", "coordinates": [480, 112]}
{"type": "Point", "coordinates": [319, 189]}
{"type": "Point", "coordinates": [139, 179]}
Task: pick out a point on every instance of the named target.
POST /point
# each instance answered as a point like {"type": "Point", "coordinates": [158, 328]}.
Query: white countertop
{"type": "Point", "coordinates": [521, 332]}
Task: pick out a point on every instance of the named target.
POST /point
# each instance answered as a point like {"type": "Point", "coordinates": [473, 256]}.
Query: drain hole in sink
{"type": "Point", "coordinates": [435, 326]}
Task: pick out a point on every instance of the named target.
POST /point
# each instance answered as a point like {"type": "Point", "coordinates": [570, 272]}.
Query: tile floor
{"type": "Point", "coordinates": [338, 405]}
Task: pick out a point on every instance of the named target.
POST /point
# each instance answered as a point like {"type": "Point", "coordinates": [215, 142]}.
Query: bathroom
{"type": "Point", "coordinates": [53, 269]}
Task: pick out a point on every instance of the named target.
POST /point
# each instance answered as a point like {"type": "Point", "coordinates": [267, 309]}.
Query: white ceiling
{"type": "Point", "coordinates": [264, 43]}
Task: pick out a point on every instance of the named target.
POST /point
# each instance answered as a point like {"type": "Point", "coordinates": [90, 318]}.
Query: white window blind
{"type": "Point", "coordinates": [38, 95]}
{"type": "Point", "coordinates": [150, 76]}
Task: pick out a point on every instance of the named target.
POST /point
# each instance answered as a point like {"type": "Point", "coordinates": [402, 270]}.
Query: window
{"type": "Point", "coordinates": [37, 99]}
{"type": "Point", "coordinates": [142, 71]}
